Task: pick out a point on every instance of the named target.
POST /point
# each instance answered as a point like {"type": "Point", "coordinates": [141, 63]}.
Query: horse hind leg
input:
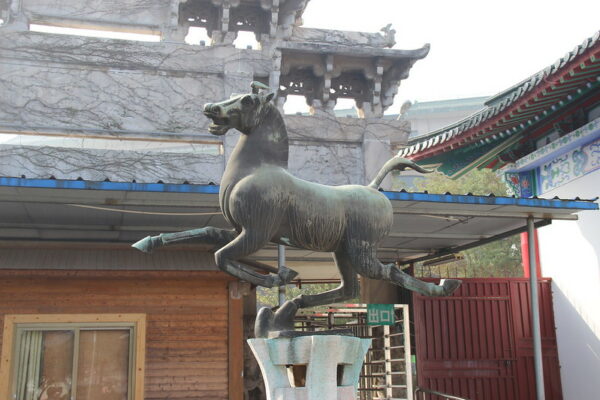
{"type": "Point", "coordinates": [246, 243]}
{"type": "Point", "coordinates": [365, 261]}
{"type": "Point", "coordinates": [399, 277]}
{"type": "Point", "coordinates": [208, 235]}
{"type": "Point", "coordinates": [348, 289]}
{"type": "Point", "coordinates": [283, 319]}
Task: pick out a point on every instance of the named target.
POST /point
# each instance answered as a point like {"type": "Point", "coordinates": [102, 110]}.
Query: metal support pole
{"type": "Point", "coordinates": [535, 313]}
{"type": "Point", "coordinates": [281, 263]}
{"type": "Point", "coordinates": [407, 354]}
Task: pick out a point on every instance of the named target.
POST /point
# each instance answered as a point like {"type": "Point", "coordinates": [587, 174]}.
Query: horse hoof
{"type": "Point", "coordinates": [146, 245]}
{"type": "Point", "coordinates": [450, 285]}
{"type": "Point", "coordinates": [286, 275]}
{"type": "Point", "coordinates": [281, 320]}
{"type": "Point", "coordinates": [284, 316]}
{"type": "Point", "coordinates": [264, 323]}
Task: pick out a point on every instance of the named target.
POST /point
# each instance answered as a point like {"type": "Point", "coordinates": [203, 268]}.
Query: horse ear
{"type": "Point", "coordinates": [269, 97]}
{"type": "Point", "coordinates": [247, 101]}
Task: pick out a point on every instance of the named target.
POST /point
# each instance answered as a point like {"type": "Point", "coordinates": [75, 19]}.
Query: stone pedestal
{"type": "Point", "coordinates": [332, 365]}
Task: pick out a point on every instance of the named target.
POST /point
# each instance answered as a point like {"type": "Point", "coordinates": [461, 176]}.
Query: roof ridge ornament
{"type": "Point", "coordinates": [256, 86]}
{"type": "Point", "coordinates": [389, 34]}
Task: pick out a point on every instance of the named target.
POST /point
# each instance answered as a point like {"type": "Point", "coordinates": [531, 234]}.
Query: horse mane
{"type": "Point", "coordinates": [269, 112]}
{"type": "Point", "coordinates": [271, 129]}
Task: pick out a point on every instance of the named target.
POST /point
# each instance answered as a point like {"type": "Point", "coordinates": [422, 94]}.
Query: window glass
{"type": "Point", "coordinates": [56, 365]}
{"type": "Point", "coordinates": [48, 362]}
{"type": "Point", "coordinates": [103, 365]}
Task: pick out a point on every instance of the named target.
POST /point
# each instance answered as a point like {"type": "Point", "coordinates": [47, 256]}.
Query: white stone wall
{"type": "Point", "coordinates": [323, 149]}
{"type": "Point", "coordinates": [345, 38]}
{"type": "Point", "coordinates": [337, 151]}
{"type": "Point", "coordinates": [58, 81]}
{"type": "Point", "coordinates": [42, 162]}
{"type": "Point", "coordinates": [54, 84]}
{"type": "Point", "coordinates": [570, 255]}
{"type": "Point", "coordinates": [114, 88]}
{"type": "Point", "coordinates": [126, 12]}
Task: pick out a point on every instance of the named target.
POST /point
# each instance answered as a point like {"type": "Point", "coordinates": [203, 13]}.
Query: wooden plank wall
{"type": "Point", "coordinates": [187, 319]}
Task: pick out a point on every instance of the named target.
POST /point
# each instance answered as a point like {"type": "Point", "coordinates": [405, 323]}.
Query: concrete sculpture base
{"type": "Point", "coordinates": [332, 365]}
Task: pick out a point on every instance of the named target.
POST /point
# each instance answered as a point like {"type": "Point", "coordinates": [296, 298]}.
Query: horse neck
{"type": "Point", "coordinates": [267, 143]}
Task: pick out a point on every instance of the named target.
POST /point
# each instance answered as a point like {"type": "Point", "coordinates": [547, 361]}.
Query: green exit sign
{"type": "Point", "coordinates": [380, 314]}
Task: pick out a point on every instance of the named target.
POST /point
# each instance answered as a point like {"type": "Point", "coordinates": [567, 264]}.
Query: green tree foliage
{"type": "Point", "coordinates": [266, 297]}
{"type": "Point", "coordinates": [477, 182]}
{"type": "Point", "coordinates": [501, 258]}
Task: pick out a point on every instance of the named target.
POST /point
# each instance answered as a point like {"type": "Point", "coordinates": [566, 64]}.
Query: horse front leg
{"type": "Point", "coordinates": [230, 259]}
{"type": "Point", "coordinates": [209, 235]}
{"type": "Point", "coordinates": [283, 319]}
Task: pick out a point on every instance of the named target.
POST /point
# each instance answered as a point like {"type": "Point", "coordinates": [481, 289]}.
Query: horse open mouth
{"type": "Point", "coordinates": [219, 126]}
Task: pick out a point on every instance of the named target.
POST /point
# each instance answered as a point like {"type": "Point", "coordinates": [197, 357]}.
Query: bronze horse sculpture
{"type": "Point", "coordinates": [265, 203]}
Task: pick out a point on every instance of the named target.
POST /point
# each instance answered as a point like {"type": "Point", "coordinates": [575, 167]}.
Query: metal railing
{"type": "Point", "coordinates": [436, 393]}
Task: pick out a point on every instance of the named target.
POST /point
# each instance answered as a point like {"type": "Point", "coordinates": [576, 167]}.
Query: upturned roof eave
{"type": "Point", "coordinates": [353, 51]}
{"type": "Point", "coordinates": [499, 106]}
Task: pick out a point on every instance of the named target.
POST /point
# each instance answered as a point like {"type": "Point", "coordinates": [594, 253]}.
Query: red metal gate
{"type": "Point", "coordinates": [478, 344]}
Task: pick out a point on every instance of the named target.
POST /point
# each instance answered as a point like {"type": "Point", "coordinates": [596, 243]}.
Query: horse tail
{"type": "Point", "coordinates": [396, 163]}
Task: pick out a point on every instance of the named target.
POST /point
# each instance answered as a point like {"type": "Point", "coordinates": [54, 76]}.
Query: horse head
{"type": "Point", "coordinates": [242, 112]}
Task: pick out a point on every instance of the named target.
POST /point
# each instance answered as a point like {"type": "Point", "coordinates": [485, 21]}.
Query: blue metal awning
{"type": "Point", "coordinates": [425, 225]}
{"type": "Point", "coordinates": [575, 204]}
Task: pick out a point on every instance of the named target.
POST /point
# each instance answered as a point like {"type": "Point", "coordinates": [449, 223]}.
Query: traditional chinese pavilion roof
{"type": "Point", "coordinates": [506, 117]}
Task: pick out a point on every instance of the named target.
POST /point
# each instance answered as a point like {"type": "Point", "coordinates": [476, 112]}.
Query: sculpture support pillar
{"type": "Point", "coordinates": [321, 354]}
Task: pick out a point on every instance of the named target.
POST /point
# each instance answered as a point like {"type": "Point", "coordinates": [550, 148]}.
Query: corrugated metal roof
{"type": "Point", "coordinates": [425, 225]}
{"type": "Point", "coordinates": [498, 103]}
{"type": "Point", "coordinates": [107, 185]}
{"type": "Point", "coordinates": [403, 195]}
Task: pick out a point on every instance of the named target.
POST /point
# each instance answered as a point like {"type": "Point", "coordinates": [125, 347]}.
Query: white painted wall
{"type": "Point", "coordinates": [570, 255]}
{"type": "Point", "coordinates": [423, 124]}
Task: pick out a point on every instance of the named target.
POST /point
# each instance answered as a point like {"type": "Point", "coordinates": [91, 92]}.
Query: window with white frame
{"type": "Point", "coordinates": [86, 357]}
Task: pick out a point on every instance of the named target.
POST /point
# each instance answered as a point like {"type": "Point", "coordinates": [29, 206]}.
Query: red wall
{"type": "Point", "coordinates": [478, 344]}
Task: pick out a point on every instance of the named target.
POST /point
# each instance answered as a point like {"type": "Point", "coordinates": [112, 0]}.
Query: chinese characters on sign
{"type": "Point", "coordinates": [380, 314]}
